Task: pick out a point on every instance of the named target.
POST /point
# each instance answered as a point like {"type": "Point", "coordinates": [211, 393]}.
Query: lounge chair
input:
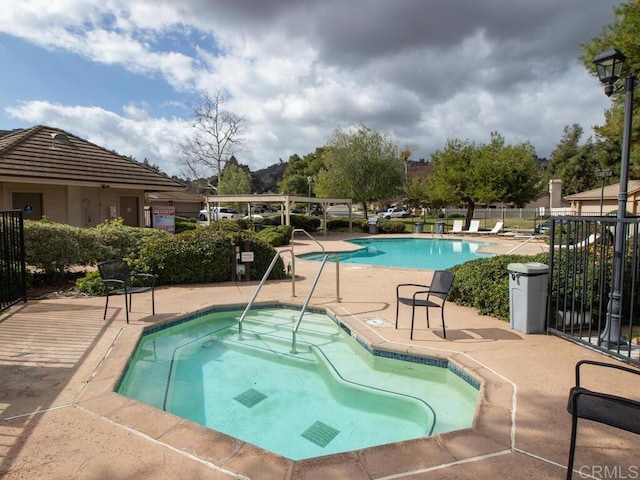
{"type": "Point", "coordinates": [474, 227]}
{"type": "Point", "coordinates": [118, 280]}
{"type": "Point", "coordinates": [597, 406]}
{"type": "Point", "coordinates": [457, 226]}
{"type": "Point", "coordinates": [433, 295]}
{"type": "Point", "coordinates": [495, 230]}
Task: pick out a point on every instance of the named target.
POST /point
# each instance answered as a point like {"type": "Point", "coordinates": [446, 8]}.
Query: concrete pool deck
{"type": "Point", "coordinates": [60, 360]}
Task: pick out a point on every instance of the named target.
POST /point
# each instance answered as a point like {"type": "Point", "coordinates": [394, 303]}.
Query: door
{"type": "Point", "coordinates": [29, 203]}
{"type": "Point", "coordinates": [129, 211]}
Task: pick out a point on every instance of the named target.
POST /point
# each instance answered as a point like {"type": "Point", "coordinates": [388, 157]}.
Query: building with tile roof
{"type": "Point", "coordinates": [45, 171]}
{"type": "Point", "coordinates": [588, 203]}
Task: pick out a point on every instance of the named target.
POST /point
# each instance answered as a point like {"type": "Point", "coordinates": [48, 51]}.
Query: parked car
{"type": "Point", "coordinates": [395, 212]}
{"type": "Point", "coordinates": [215, 214]}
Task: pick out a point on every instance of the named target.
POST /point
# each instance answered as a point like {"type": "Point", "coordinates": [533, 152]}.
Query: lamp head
{"type": "Point", "coordinates": [609, 65]}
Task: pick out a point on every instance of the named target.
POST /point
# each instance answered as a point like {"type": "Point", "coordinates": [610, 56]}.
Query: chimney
{"type": "Point", "coordinates": [555, 193]}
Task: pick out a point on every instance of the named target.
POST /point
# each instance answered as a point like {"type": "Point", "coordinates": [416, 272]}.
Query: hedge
{"type": "Point", "coordinates": [484, 283]}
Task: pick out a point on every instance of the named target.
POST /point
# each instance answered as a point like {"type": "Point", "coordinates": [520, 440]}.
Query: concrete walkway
{"type": "Point", "coordinates": [59, 363]}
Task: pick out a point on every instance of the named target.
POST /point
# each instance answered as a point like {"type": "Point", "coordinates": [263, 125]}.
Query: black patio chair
{"type": "Point", "coordinates": [427, 296]}
{"type": "Point", "coordinates": [118, 280]}
{"type": "Point", "coordinates": [613, 410]}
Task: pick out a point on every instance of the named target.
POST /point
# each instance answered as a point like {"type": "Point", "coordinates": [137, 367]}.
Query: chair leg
{"type": "Point", "coordinates": [444, 330]}
{"type": "Point", "coordinates": [572, 447]}
{"type": "Point", "coordinates": [427, 309]}
{"type": "Point", "coordinates": [126, 305]}
{"type": "Point", "coordinates": [413, 314]}
{"type": "Point", "coordinates": [104, 317]}
{"type": "Point", "coordinates": [397, 311]}
{"type": "Point", "coordinates": [153, 303]}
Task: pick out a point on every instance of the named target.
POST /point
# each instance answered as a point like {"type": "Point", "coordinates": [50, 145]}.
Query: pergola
{"type": "Point", "coordinates": [286, 201]}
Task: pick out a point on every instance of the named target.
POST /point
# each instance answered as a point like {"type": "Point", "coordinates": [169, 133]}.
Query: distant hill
{"type": "Point", "coordinates": [266, 180]}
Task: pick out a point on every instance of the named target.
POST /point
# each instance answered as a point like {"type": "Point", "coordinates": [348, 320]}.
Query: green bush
{"type": "Point", "coordinates": [310, 224]}
{"type": "Point", "coordinates": [54, 247]}
{"type": "Point", "coordinates": [276, 236]}
{"type": "Point", "coordinates": [341, 224]}
{"type": "Point", "coordinates": [204, 255]}
{"type": "Point", "coordinates": [391, 226]}
{"type": "Point", "coordinates": [91, 284]}
{"type": "Point", "coordinates": [184, 223]}
{"type": "Point", "coordinates": [115, 240]}
{"type": "Point", "coordinates": [484, 283]}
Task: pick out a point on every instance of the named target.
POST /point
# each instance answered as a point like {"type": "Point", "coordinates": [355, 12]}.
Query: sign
{"type": "Point", "coordinates": [164, 218]}
{"type": "Point", "coordinates": [246, 257]}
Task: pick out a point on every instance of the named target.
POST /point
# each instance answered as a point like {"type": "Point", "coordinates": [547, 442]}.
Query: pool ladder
{"type": "Point", "coordinates": [325, 257]}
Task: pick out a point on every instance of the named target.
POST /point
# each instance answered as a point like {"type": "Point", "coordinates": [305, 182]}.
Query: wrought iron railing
{"type": "Point", "coordinates": [581, 305]}
{"type": "Point", "coordinates": [13, 276]}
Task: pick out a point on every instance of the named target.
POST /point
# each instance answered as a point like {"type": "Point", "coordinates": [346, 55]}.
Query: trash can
{"type": "Point", "coordinates": [440, 228]}
{"type": "Point", "coordinates": [528, 284]}
{"type": "Point", "coordinates": [373, 225]}
{"type": "Point", "coordinates": [419, 227]}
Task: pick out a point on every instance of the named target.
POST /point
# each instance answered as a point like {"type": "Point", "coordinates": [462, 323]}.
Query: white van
{"type": "Point", "coordinates": [217, 213]}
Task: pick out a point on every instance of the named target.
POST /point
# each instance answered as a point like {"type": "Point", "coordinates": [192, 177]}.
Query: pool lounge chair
{"type": "Point", "coordinates": [495, 230]}
{"type": "Point", "coordinates": [474, 226]}
{"type": "Point", "coordinates": [457, 226]}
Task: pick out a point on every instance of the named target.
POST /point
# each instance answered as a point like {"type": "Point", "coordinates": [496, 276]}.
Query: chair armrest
{"type": "Point", "coordinates": [604, 365]}
{"type": "Point", "coordinates": [415, 285]}
{"type": "Point", "coordinates": [112, 282]}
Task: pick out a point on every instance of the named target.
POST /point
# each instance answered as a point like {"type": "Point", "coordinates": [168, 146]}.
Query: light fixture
{"type": "Point", "coordinates": [609, 66]}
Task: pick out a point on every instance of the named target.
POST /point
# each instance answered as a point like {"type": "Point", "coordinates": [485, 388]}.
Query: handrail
{"type": "Point", "coordinates": [255, 294]}
{"type": "Point", "coordinates": [293, 275]}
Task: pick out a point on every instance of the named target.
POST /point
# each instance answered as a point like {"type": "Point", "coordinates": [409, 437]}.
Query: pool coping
{"type": "Point", "coordinates": [492, 432]}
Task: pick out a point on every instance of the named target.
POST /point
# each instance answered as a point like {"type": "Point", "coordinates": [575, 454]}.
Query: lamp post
{"type": "Point", "coordinates": [609, 65]}
{"type": "Point", "coordinates": [603, 174]}
{"type": "Point", "coordinates": [309, 178]}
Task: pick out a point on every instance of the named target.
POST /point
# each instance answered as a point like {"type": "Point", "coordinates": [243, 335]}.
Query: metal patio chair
{"type": "Point", "coordinates": [612, 410]}
{"type": "Point", "coordinates": [427, 296]}
{"type": "Point", "coordinates": [118, 280]}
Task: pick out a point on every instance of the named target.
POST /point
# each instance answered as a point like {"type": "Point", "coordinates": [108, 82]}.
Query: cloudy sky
{"type": "Point", "coordinates": [126, 74]}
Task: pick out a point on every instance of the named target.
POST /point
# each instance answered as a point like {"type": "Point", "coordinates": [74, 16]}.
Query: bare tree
{"type": "Point", "coordinates": [218, 134]}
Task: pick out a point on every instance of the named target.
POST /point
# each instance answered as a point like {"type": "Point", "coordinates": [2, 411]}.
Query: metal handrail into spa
{"type": "Point", "coordinates": [293, 276]}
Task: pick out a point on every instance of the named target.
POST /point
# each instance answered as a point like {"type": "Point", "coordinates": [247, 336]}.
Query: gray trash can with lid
{"type": "Point", "coordinates": [373, 225]}
{"type": "Point", "coordinates": [419, 227]}
{"type": "Point", "coordinates": [439, 228]}
{"type": "Point", "coordinates": [528, 284]}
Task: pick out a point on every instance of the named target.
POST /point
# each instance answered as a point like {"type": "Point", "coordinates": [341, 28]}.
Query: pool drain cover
{"type": "Point", "coordinates": [320, 434]}
{"type": "Point", "coordinates": [250, 397]}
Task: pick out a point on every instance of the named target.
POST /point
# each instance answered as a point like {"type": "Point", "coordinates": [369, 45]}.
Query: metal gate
{"type": "Point", "coordinates": [13, 272]}
{"type": "Point", "coordinates": [584, 305]}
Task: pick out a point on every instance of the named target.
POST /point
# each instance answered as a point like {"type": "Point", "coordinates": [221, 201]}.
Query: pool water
{"type": "Point", "coordinates": [330, 396]}
{"type": "Point", "coordinates": [422, 253]}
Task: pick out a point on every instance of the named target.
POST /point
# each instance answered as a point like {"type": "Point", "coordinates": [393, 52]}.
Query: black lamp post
{"type": "Point", "coordinates": [609, 65]}
{"type": "Point", "coordinates": [603, 174]}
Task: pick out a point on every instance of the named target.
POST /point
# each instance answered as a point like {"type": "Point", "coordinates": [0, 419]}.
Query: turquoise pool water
{"type": "Point", "coordinates": [423, 253]}
{"type": "Point", "coordinates": [331, 396]}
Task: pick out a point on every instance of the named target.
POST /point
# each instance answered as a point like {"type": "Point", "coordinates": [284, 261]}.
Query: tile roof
{"type": "Point", "coordinates": [176, 196]}
{"type": "Point", "coordinates": [50, 155]}
{"type": "Point", "coordinates": [608, 193]}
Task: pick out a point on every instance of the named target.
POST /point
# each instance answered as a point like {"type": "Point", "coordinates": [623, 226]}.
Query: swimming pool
{"type": "Point", "coordinates": [423, 253]}
{"type": "Point", "coordinates": [331, 396]}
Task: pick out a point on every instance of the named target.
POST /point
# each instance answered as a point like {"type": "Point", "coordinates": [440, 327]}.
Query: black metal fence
{"type": "Point", "coordinates": [13, 273]}
{"type": "Point", "coordinates": [581, 307]}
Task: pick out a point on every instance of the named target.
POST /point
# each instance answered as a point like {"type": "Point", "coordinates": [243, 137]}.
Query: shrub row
{"type": "Point", "coordinates": [53, 247]}
{"type": "Point", "coordinates": [484, 283]}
